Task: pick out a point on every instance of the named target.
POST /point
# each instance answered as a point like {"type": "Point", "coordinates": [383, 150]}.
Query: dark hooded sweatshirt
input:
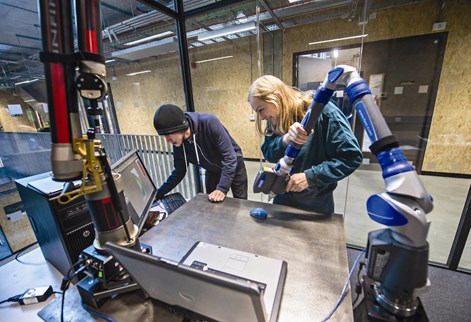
{"type": "Point", "coordinates": [217, 152]}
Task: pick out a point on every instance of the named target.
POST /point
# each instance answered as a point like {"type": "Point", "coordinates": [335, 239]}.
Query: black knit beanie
{"type": "Point", "coordinates": [169, 119]}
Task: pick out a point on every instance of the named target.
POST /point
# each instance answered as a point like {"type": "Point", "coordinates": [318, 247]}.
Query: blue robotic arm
{"type": "Point", "coordinates": [404, 204]}
{"type": "Point", "coordinates": [397, 256]}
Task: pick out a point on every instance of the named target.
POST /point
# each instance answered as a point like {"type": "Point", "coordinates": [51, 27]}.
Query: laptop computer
{"type": "Point", "coordinates": [268, 273]}
{"type": "Point", "coordinates": [211, 293]}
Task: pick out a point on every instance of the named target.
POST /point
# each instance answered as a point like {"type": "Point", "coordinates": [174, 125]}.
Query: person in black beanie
{"type": "Point", "coordinates": [201, 139]}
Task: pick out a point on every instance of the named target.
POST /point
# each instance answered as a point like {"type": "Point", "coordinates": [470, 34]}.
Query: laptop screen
{"type": "Point", "coordinates": [139, 190]}
{"type": "Point", "coordinates": [209, 295]}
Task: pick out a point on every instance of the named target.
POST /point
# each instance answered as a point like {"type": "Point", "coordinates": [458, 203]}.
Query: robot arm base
{"type": "Point", "coordinates": [398, 271]}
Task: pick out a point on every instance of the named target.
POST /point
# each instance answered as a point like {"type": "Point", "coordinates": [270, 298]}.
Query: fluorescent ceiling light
{"type": "Point", "coordinates": [26, 82]}
{"type": "Point", "coordinates": [337, 39]}
{"type": "Point", "coordinates": [227, 31]}
{"type": "Point", "coordinates": [135, 42]}
{"type": "Point", "coordinates": [109, 61]}
{"type": "Point", "coordinates": [137, 73]}
{"type": "Point", "coordinates": [154, 48]}
{"type": "Point", "coordinates": [212, 59]}
{"type": "Point", "coordinates": [293, 1]}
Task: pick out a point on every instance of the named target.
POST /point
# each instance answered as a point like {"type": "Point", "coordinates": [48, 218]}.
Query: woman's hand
{"type": "Point", "coordinates": [296, 134]}
{"type": "Point", "coordinates": [297, 182]}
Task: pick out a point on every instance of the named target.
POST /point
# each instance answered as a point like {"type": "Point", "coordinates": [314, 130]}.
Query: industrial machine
{"type": "Point", "coordinates": [73, 155]}
{"type": "Point", "coordinates": [397, 257]}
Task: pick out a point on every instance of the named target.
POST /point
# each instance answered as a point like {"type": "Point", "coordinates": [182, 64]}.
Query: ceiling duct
{"type": "Point", "coordinates": [154, 48]}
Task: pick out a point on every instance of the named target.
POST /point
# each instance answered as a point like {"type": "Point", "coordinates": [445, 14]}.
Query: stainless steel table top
{"type": "Point", "coordinates": [313, 246]}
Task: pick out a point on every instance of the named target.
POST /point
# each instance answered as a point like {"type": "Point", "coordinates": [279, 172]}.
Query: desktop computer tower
{"type": "Point", "coordinates": [62, 231]}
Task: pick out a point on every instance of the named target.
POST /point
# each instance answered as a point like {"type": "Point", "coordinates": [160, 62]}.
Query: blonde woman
{"type": "Point", "coordinates": [329, 154]}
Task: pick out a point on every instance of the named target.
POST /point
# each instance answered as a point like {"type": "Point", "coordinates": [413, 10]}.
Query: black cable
{"type": "Point", "coordinates": [66, 281]}
{"type": "Point", "coordinates": [359, 271]}
{"type": "Point", "coordinates": [15, 298]}
{"type": "Point", "coordinates": [358, 286]}
{"type": "Point", "coordinates": [22, 251]}
{"type": "Point", "coordinates": [359, 303]}
{"type": "Point", "coordinates": [355, 300]}
{"type": "Point", "coordinates": [79, 262]}
{"type": "Point", "coordinates": [62, 304]}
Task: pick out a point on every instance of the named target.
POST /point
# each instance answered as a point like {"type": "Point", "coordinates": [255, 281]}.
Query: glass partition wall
{"type": "Point", "coordinates": [228, 44]}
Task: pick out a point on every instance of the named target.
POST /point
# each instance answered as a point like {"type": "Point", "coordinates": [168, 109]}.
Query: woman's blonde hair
{"type": "Point", "coordinates": [291, 103]}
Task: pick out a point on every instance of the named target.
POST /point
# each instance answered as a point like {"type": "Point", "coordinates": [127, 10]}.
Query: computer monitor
{"type": "Point", "coordinates": [139, 189]}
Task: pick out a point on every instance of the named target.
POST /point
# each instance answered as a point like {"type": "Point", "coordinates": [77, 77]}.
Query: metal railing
{"type": "Point", "coordinates": [26, 154]}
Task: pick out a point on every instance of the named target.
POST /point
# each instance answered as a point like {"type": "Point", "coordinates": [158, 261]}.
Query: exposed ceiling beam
{"type": "Point", "coordinates": [2, 52]}
{"type": "Point", "coordinates": [209, 7]}
{"type": "Point", "coordinates": [17, 7]}
{"type": "Point", "coordinates": [27, 37]}
{"type": "Point", "coordinates": [124, 12]}
{"type": "Point", "coordinates": [19, 46]}
{"type": "Point", "coordinates": [160, 7]}
{"type": "Point", "coordinates": [272, 14]}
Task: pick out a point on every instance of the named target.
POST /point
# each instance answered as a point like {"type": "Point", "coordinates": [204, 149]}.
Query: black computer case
{"type": "Point", "coordinates": [62, 231]}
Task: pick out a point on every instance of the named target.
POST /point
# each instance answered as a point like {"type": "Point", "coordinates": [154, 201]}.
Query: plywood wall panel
{"type": "Point", "coordinates": [17, 123]}
{"type": "Point", "coordinates": [221, 88]}
{"type": "Point", "coordinates": [449, 143]}
{"type": "Point", "coordinates": [19, 233]}
{"type": "Point", "coordinates": [137, 97]}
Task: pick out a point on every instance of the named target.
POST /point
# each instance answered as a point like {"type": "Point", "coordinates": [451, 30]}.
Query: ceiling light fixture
{"type": "Point", "coordinates": [227, 31]}
{"type": "Point", "coordinates": [109, 61]}
{"type": "Point", "coordinates": [137, 73]}
{"type": "Point", "coordinates": [135, 42]}
{"type": "Point", "coordinates": [26, 82]}
{"type": "Point", "coordinates": [337, 39]}
{"type": "Point", "coordinates": [212, 59]}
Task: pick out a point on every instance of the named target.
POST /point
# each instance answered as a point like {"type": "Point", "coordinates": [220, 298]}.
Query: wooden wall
{"type": "Point", "coordinates": [19, 233]}
{"type": "Point", "coordinates": [449, 146]}
{"type": "Point", "coordinates": [18, 123]}
{"type": "Point", "coordinates": [220, 87]}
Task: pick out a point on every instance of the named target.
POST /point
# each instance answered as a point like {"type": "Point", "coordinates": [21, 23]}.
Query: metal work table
{"type": "Point", "coordinates": [313, 246]}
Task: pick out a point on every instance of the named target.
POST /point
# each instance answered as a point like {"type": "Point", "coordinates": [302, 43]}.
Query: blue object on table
{"type": "Point", "coordinates": [258, 213]}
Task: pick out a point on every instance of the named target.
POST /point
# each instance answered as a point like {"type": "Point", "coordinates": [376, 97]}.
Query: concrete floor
{"type": "Point", "coordinates": [449, 196]}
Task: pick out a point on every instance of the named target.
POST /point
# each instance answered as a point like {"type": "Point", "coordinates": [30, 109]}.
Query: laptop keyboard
{"type": "Point", "coordinates": [172, 202]}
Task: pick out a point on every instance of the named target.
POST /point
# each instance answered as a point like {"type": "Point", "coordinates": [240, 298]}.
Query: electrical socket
{"type": "Point", "coordinates": [252, 117]}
